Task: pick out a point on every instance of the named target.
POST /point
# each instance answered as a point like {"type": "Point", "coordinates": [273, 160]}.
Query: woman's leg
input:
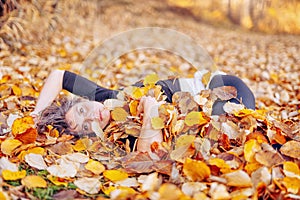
{"type": "Point", "coordinates": [244, 93]}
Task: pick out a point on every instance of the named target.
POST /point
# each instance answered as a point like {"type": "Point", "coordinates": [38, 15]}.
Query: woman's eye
{"type": "Point", "coordinates": [81, 110]}
{"type": "Point", "coordinates": [85, 127]}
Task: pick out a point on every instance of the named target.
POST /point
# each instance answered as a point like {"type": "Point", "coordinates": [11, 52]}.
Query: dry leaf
{"type": "Point", "coordinates": [139, 162]}
{"type": "Point", "coordinates": [291, 169]}
{"type": "Point", "coordinates": [82, 144]}
{"type": "Point", "coordinates": [291, 184]}
{"type": "Point", "coordinates": [111, 104]}
{"type": "Point", "coordinates": [95, 167]}
{"type": "Point", "coordinates": [115, 175]}
{"type": "Point", "coordinates": [232, 108]}
{"type": "Point", "coordinates": [34, 182]}
{"type": "Point", "coordinates": [194, 118]}
{"type": "Point", "coordinates": [221, 164]}
{"type": "Point", "coordinates": [169, 191]}
{"type": "Point", "coordinates": [238, 178]}
{"type": "Point", "coordinates": [157, 123]}
{"type": "Point", "coordinates": [291, 148]}
{"type": "Point", "coordinates": [192, 188]}
{"type": "Point", "coordinates": [261, 175]}
{"type": "Point", "coordinates": [77, 157]}
{"type": "Point", "coordinates": [56, 180]}
{"type": "Point", "coordinates": [128, 182]}
{"type": "Point", "coordinates": [62, 170]}
{"type": "Point", "coordinates": [62, 148]}
{"type": "Point", "coordinates": [184, 148]}
{"type": "Point", "coordinates": [97, 130]}
{"type": "Point", "coordinates": [195, 170]}
{"type": "Point", "coordinates": [149, 182]}
{"type": "Point", "coordinates": [6, 164]}
{"type": "Point", "coordinates": [119, 114]}
{"type": "Point", "coordinates": [89, 185]}
{"type": "Point", "coordinates": [12, 176]}
{"type": "Point", "coordinates": [35, 150]}
{"type": "Point", "coordinates": [9, 145]}
{"type": "Point", "coordinates": [250, 149]}
{"type": "Point", "coordinates": [218, 191]}
{"type": "Point", "coordinates": [225, 93]}
{"type": "Point", "coordinates": [36, 161]}
{"type": "Point", "coordinates": [150, 79]}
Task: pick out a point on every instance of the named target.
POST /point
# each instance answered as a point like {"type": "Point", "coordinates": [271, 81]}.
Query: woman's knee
{"type": "Point", "coordinates": [244, 94]}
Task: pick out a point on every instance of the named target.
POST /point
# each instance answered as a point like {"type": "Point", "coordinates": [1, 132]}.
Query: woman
{"type": "Point", "coordinates": [78, 115]}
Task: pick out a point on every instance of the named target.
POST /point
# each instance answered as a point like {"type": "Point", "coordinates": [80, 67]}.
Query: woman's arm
{"type": "Point", "coordinates": [50, 90]}
{"type": "Point", "coordinates": [149, 107]}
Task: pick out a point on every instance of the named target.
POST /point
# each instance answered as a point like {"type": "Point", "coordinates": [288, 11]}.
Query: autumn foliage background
{"type": "Point", "coordinates": [242, 155]}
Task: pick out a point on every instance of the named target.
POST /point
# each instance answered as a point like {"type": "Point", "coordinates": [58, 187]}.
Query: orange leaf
{"type": "Point", "coordinates": [27, 137]}
{"type": "Point", "coordinates": [21, 125]}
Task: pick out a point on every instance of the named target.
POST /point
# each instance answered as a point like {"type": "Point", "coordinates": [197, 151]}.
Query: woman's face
{"type": "Point", "coordinates": [80, 116]}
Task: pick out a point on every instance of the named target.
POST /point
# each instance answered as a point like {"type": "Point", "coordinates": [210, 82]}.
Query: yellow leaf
{"type": "Point", "coordinates": [95, 167]}
{"type": "Point", "coordinates": [251, 167]}
{"type": "Point", "coordinates": [34, 182]}
{"type": "Point", "coordinates": [16, 90]}
{"type": "Point", "coordinates": [108, 190]}
{"type": "Point", "coordinates": [184, 140]}
{"type": "Point", "coordinates": [133, 107]}
{"type": "Point", "coordinates": [151, 79]}
{"type": "Point", "coordinates": [195, 117]}
{"type": "Point", "coordinates": [221, 164]}
{"type": "Point", "coordinates": [20, 125]}
{"type": "Point", "coordinates": [292, 184]}
{"type": "Point", "coordinates": [139, 92]}
{"type": "Point", "coordinates": [56, 181]}
{"type": "Point", "coordinates": [291, 169]}
{"type": "Point", "coordinates": [82, 144]}
{"type": "Point", "coordinates": [119, 114]}
{"type": "Point", "coordinates": [250, 149]}
{"type": "Point", "coordinates": [206, 78]}
{"type": "Point", "coordinates": [115, 175]}
{"type": "Point", "coordinates": [2, 196]}
{"type": "Point", "coordinates": [157, 123]}
{"type": "Point", "coordinates": [169, 191]}
{"type": "Point", "coordinates": [12, 176]}
{"type": "Point", "coordinates": [196, 170]}
{"type": "Point", "coordinates": [9, 145]}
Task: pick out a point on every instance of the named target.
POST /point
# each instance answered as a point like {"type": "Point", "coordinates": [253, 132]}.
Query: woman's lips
{"type": "Point", "coordinates": [100, 115]}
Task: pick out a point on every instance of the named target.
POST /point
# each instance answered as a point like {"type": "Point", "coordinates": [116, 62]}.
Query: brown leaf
{"type": "Point", "coordinates": [62, 148]}
{"type": "Point", "coordinates": [225, 92]}
{"type": "Point", "coordinates": [163, 166]}
{"type": "Point", "coordinates": [138, 162]}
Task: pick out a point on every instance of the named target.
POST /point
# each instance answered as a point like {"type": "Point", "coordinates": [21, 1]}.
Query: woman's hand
{"type": "Point", "coordinates": [149, 107]}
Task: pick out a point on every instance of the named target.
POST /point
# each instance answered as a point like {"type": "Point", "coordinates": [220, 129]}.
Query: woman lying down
{"type": "Point", "coordinates": [76, 115]}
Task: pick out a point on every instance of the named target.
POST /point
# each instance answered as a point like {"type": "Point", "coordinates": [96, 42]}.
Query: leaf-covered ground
{"type": "Point", "coordinates": [244, 154]}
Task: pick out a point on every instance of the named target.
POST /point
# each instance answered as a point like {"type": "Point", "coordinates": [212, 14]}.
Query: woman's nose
{"type": "Point", "coordinates": [91, 115]}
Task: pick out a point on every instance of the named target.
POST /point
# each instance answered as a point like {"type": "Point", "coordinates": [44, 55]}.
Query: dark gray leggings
{"type": "Point", "coordinates": [244, 94]}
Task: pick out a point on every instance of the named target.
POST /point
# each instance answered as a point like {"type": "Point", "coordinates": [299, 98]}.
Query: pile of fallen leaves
{"type": "Point", "coordinates": [241, 154]}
